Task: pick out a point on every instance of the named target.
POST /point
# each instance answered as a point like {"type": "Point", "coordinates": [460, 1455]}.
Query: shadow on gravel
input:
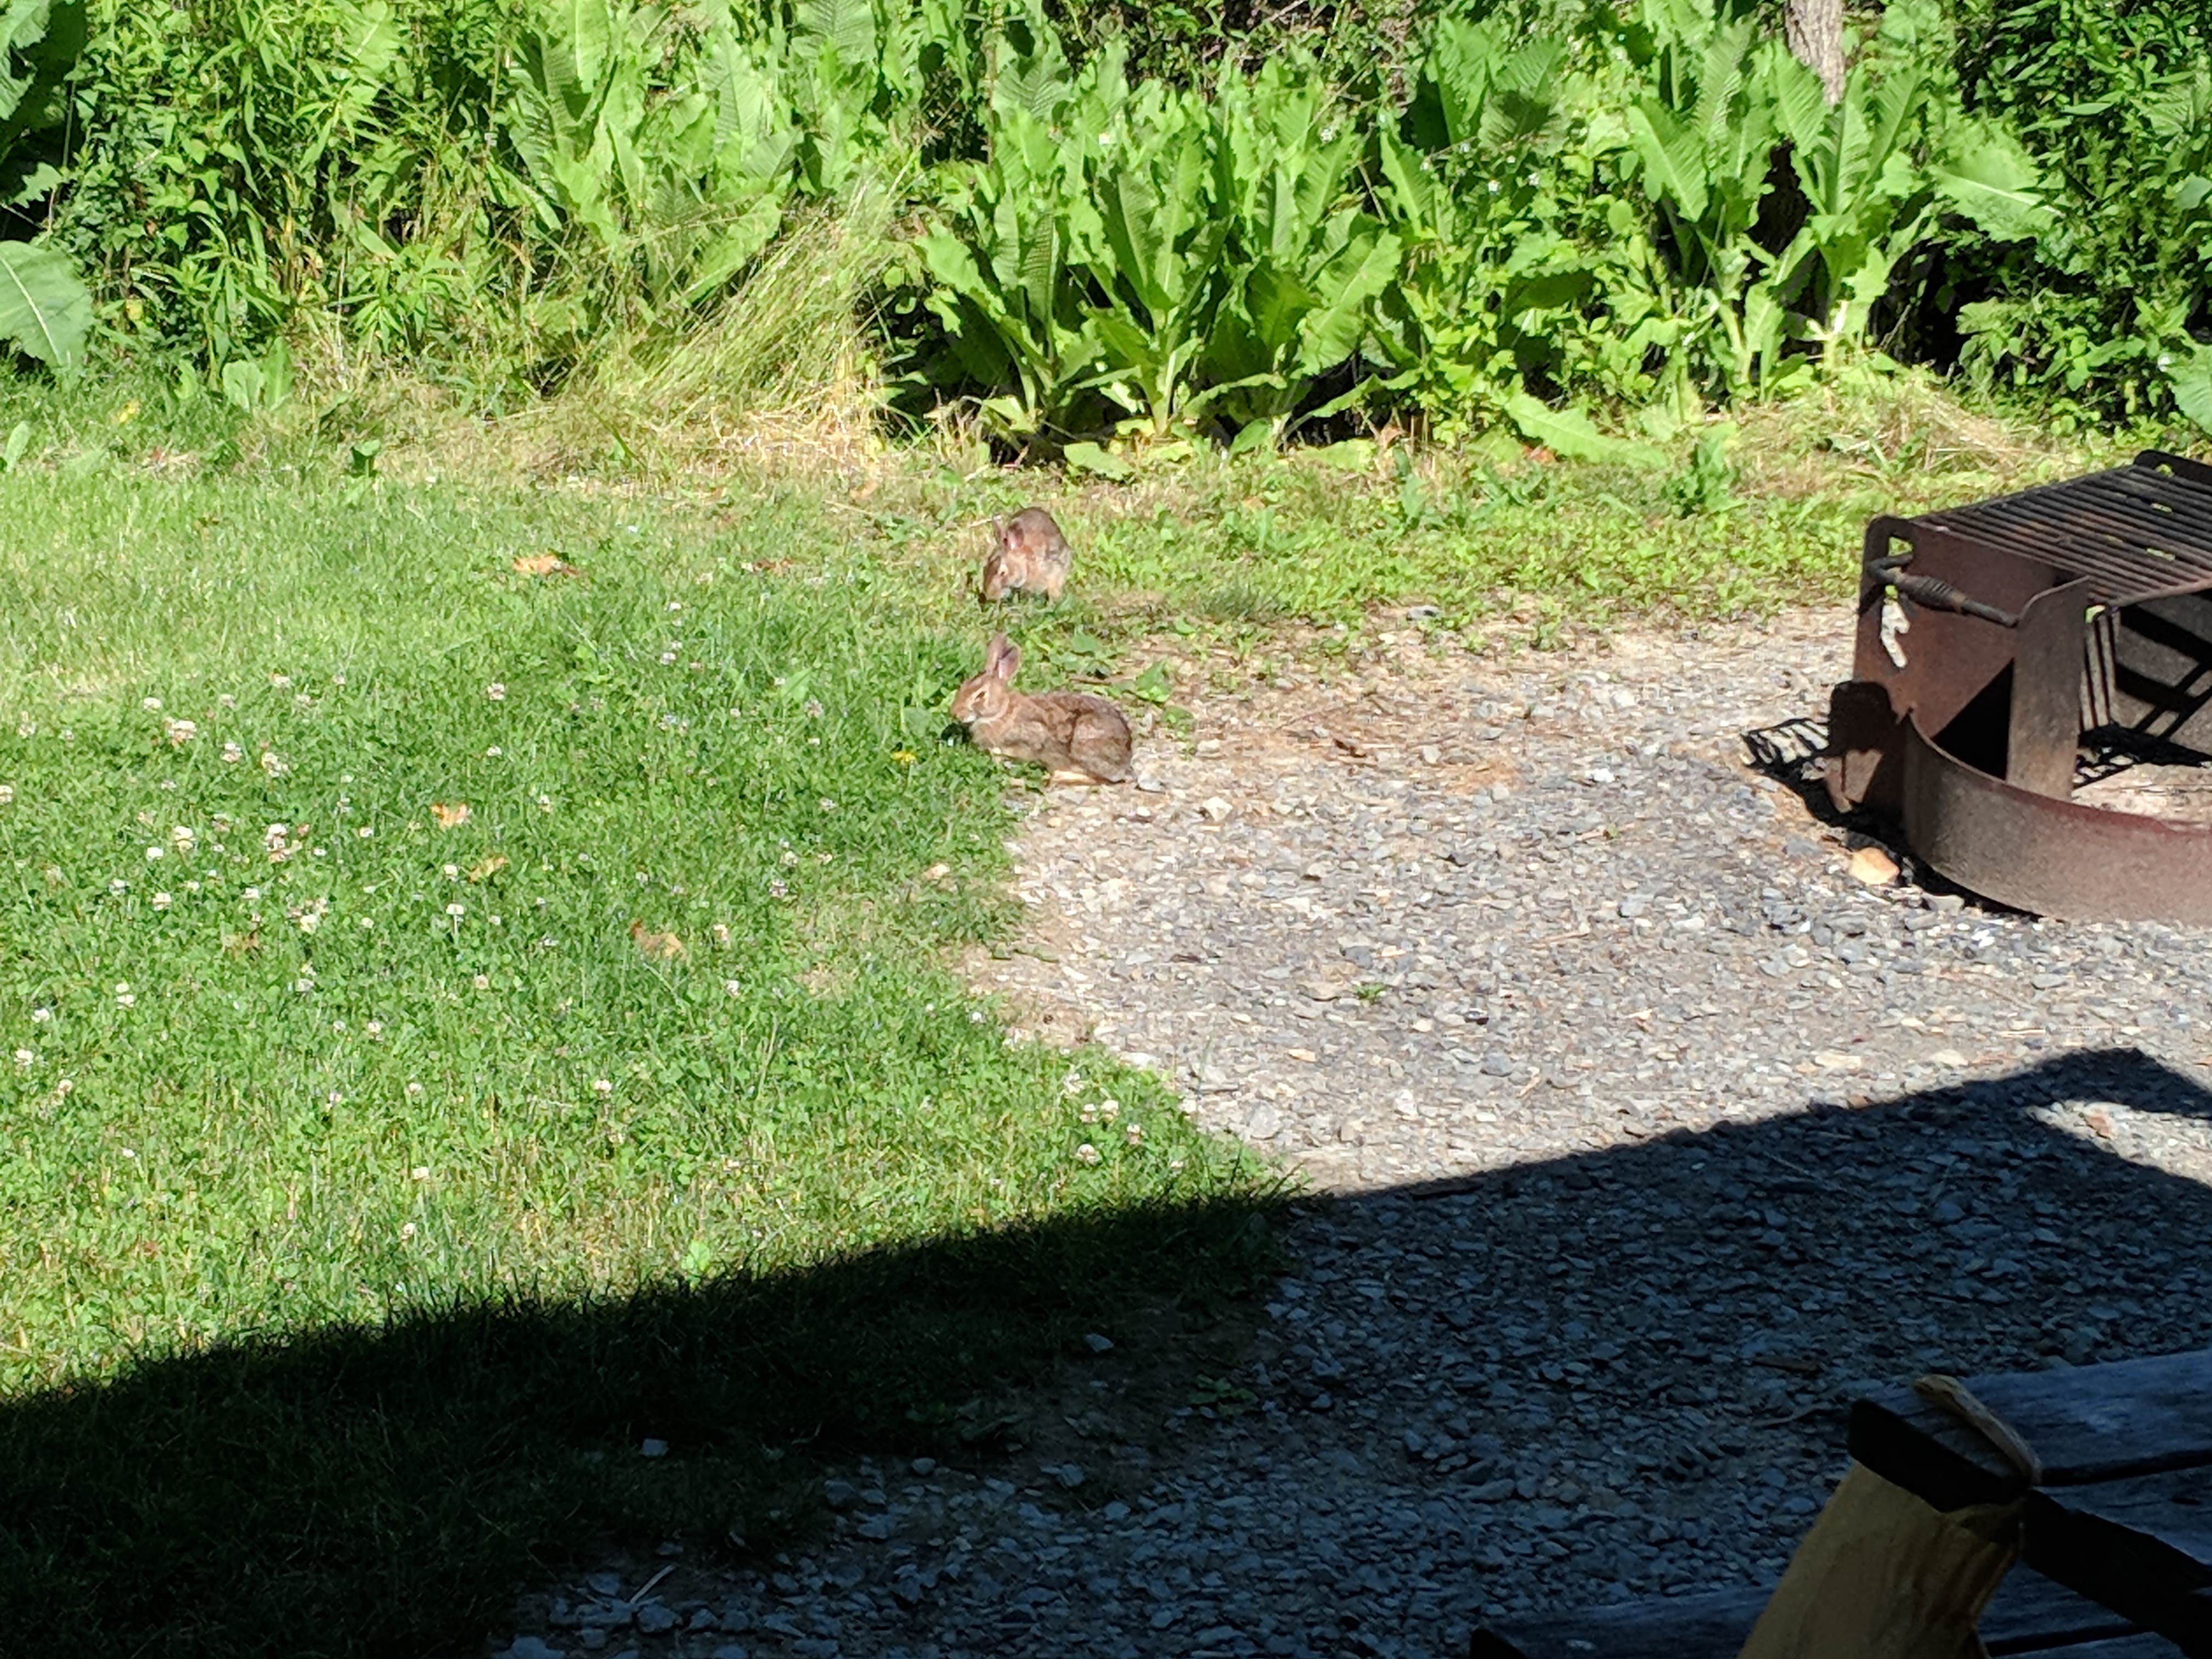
{"type": "Point", "coordinates": [1630, 1335]}
{"type": "Point", "coordinates": [1655, 1346]}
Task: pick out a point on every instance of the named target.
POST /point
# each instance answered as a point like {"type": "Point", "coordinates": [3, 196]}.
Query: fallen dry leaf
{"type": "Point", "coordinates": [1873, 866]}
{"type": "Point", "coordinates": [2099, 1122]}
{"type": "Point", "coordinates": [545, 564]}
{"type": "Point", "coordinates": [450, 817]}
{"type": "Point", "coordinates": [241, 944]}
{"type": "Point", "coordinates": [490, 867]}
{"type": "Point", "coordinates": [657, 947]}
{"type": "Point", "coordinates": [937, 872]}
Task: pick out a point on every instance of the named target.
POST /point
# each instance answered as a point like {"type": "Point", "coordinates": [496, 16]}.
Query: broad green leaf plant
{"type": "Point", "coordinates": [46, 310]}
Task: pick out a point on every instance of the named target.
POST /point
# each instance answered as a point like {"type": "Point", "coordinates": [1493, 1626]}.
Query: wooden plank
{"type": "Point", "coordinates": [2087, 1424]}
{"type": "Point", "coordinates": [2125, 1647]}
{"type": "Point", "coordinates": [2141, 1546]}
{"type": "Point", "coordinates": [2029, 1614]}
{"type": "Point", "coordinates": [1709, 1627]}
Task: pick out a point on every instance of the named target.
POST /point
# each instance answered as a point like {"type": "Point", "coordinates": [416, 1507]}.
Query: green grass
{"type": "Point", "coordinates": [398, 1058]}
{"type": "Point", "coordinates": [309, 1083]}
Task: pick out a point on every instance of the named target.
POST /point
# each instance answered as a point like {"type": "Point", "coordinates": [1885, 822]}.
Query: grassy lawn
{"type": "Point", "coordinates": [476, 970]}
{"type": "Point", "coordinates": [299, 1047]}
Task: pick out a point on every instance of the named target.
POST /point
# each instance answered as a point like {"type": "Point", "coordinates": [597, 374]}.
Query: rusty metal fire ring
{"type": "Point", "coordinates": [2054, 858]}
{"type": "Point", "coordinates": [2009, 632]}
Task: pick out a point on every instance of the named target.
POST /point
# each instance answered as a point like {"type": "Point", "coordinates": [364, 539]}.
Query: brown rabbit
{"type": "Point", "coordinates": [1076, 737]}
{"type": "Point", "coordinates": [1029, 557]}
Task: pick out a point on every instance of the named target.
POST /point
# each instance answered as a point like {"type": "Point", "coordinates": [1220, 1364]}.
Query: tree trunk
{"type": "Point", "coordinates": [1815, 30]}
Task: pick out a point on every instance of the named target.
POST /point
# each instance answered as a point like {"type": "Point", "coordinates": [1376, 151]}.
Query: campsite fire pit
{"type": "Point", "coordinates": [2018, 651]}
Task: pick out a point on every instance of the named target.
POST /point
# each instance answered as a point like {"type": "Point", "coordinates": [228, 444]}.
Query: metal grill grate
{"type": "Point", "coordinates": [2140, 531]}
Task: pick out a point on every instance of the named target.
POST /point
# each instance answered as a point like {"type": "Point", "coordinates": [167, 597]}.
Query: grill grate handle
{"type": "Point", "coordinates": [1934, 593]}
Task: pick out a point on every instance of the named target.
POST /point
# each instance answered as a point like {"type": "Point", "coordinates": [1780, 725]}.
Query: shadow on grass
{"type": "Point", "coordinates": [359, 1492]}
{"type": "Point", "coordinates": [1654, 1317]}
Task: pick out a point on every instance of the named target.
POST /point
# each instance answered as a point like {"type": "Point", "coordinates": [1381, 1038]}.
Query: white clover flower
{"type": "Point", "coordinates": [414, 1092]}
{"type": "Point", "coordinates": [280, 681]}
{"type": "Point", "coordinates": [182, 836]}
{"type": "Point", "coordinates": [63, 1088]}
{"type": "Point", "coordinates": [374, 1027]}
{"type": "Point", "coordinates": [180, 733]}
{"type": "Point", "coordinates": [492, 753]}
{"type": "Point", "coordinates": [667, 657]}
{"type": "Point", "coordinates": [451, 872]}
{"type": "Point", "coordinates": [118, 886]}
{"type": "Point", "coordinates": [495, 691]}
{"type": "Point", "coordinates": [457, 910]}
{"type": "Point", "coordinates": [162, 901]}
{"type": "Point", "coordinates": [1086, 1153]}
{"type": "Point", "coordinates": [7, 794]}
{"type": "Point", "coordinates": [25, 1059]}
{"type": "Point", "coordinates": [731, 987]}
{"type": "Point", "coordinates": [152, 853]}
{"type": "Point", "coordinates": [1134, 1134]}
{"type": "Point", "coordinates": [337, 680]}
{"type": "Point", "coordinates": [41, 1016]}
{"type": "Point", "coordinates": [226, 701]}
{"type": "Point", "coordinates": [232, 754]}
{"type": "Point", "coordinates": [420, 1172]}
{"type": "Point", "coordinates": [407, 1230]}
{"type": "Point", "coordinates": [151, 705]}
{"type": "Point", "coordinates": [365, 833]}
{"type": "Point", "coordinates": [482, 982]}
{"type": "Point", "coordinates": [602, 1087]}
{"type": "Point", "coordinates": [26, 729]}
{"type": "Point", "coordinates": [124, 997]}
{"type": "Point", "coordinates": [274, 763]}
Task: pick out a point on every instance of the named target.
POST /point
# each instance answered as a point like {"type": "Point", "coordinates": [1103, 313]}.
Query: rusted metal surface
{"type": "Point", "coordinates": [2055, 858]}
{"type": "Point", "coordinates": [2002, 633]}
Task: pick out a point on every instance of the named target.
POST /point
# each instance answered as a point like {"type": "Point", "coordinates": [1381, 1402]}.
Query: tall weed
{"type": "Point", "coordinates": [2096, 315]}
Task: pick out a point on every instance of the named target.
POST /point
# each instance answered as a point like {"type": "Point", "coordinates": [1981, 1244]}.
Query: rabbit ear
{"type": "Point", "coordinates": [1003, 659]}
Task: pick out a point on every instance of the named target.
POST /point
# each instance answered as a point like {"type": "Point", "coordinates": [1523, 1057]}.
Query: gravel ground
{"type": "Point", "coordinates": [1647, 1135]}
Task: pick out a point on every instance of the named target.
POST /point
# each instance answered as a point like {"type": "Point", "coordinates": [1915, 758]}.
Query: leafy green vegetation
{"type": "Point", "coordinates": [1604, 212]}
{"type": "Point", "coordinates": [2105, 309]}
